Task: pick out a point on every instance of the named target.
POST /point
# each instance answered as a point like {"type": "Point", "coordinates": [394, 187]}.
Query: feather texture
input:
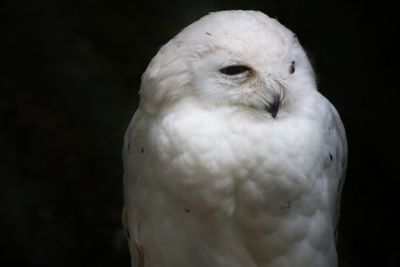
{"type": "Point", "coordinates": [211, 178]}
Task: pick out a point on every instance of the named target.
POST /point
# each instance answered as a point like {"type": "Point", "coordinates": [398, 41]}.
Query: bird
{"type": "Point", "coordinates": [233, 157]}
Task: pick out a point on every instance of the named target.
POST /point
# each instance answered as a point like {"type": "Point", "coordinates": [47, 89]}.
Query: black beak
{"type": "Point", "coordinates": [273, 106]}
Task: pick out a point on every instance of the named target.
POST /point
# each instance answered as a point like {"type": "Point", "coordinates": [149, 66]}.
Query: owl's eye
{"type": "Point", "coordinates": [234, 70]}
{"type": "Point", "coordinates": [292, 67]}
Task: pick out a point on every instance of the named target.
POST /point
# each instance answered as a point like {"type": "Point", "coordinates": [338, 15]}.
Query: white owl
{"type": "Point", "coordinates": [233, 158]}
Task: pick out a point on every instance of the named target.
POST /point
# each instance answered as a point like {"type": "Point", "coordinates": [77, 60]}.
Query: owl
{"type": "Point", "coordinates": [233, 158]}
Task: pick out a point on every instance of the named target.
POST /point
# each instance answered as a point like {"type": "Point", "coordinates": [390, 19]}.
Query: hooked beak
{"type": "Point", "coordinates": [273, 106]}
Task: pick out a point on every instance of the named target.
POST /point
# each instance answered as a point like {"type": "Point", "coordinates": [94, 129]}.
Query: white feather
{"type": "Point", "coordinates": [211, 178]}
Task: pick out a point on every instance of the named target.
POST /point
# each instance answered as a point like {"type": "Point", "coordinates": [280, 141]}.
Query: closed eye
{"type": "Point", "coordinates": [234, 70]}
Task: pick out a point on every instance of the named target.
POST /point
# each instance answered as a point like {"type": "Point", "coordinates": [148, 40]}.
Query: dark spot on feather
{"type": "Point", "coordinates": [208, 33]}
{"type": "Point", "coordinates": [330, 156]}
{"type": "Point", "coordinates": [186, 210]}
{"type": "Point", "coordinates": [128, 234]}
{"type": "Point", "coordinates": [292, 67]}
{"type": "Point", "coordinates": [142, 150]}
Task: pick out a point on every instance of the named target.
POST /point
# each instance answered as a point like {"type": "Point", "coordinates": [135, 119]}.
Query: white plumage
{"type": "Point", "coordinates": [233, 158]}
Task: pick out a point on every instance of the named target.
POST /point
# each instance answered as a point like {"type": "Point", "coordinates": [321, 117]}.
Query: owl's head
{"type": "Point", "coordinates": [237, 58]}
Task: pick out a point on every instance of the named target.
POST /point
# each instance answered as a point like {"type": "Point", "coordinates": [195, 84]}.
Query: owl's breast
{"type": "Point", "coordinates": [223, 160]}
{"type": "Point", "coordinates": [222, 175]}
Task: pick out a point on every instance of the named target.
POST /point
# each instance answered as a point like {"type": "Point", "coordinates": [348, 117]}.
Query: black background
{"type": "Point", "coordinates": [70, 72]}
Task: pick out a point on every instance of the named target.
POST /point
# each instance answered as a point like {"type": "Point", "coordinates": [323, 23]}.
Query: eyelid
{"type": "Point", "coordinates": [232, 70]}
